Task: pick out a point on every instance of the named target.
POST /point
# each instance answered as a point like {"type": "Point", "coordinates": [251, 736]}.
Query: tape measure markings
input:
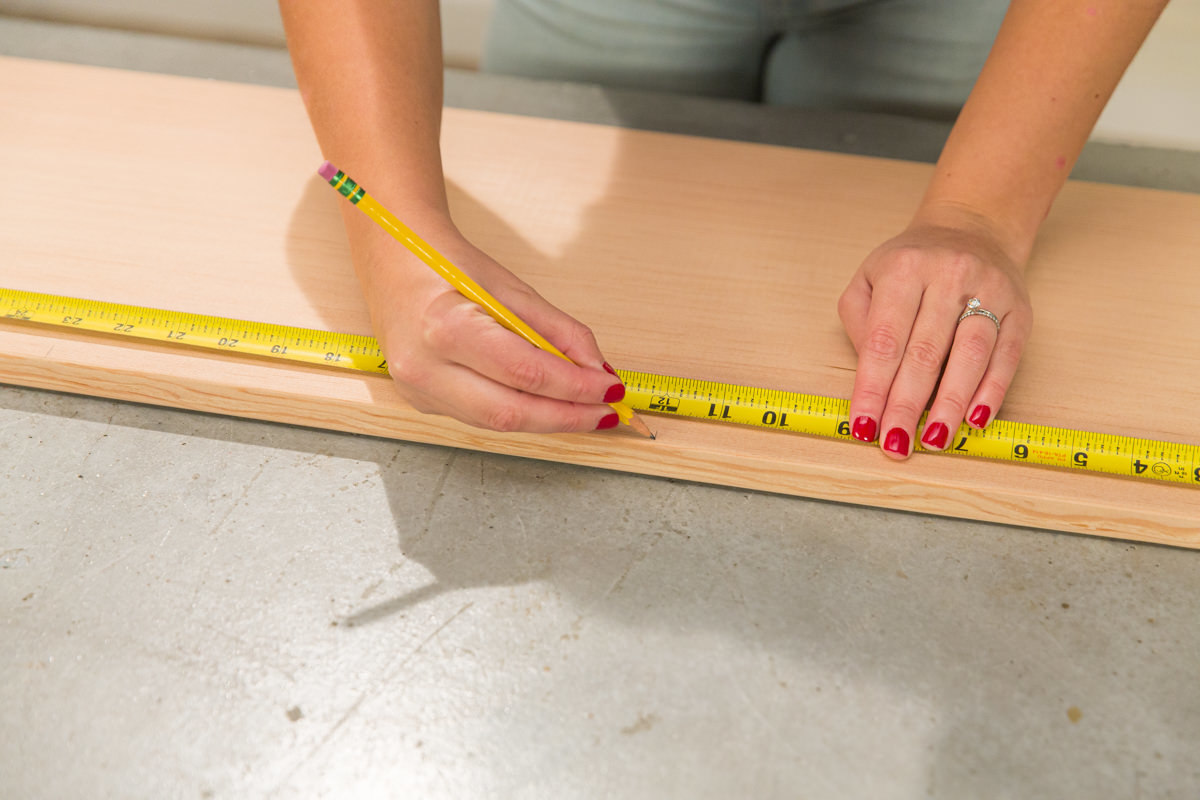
{"type": "Point", "coordinates": [815, 415]}
{"type": "Point", "coordinates": [1002, 440]}
{"type": "Point", "coordinates": [350, 351]}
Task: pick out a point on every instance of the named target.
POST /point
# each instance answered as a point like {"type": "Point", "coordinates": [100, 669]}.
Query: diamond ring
{"type": "Point", "coordinates": [974, 309]}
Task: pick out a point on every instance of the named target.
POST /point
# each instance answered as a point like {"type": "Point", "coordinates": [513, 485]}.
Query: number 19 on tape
{"type": "Point", "coordinates": [685, 397]}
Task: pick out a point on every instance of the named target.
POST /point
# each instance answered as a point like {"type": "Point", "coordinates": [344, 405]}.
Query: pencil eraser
{"type": "Point", "coordinates": [327, 171]}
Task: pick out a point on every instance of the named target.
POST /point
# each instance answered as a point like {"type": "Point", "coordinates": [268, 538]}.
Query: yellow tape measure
{"type": "Point", "coordinates": [686, 397]}
{"type": "Point", "coordinates": [215, 333]}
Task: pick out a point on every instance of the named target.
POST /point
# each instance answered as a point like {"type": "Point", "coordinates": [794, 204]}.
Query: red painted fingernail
{"type": "Point", "coordinates": [935, 436]}
{"type": "Point", "coordinates": [865, 429]}
{"type": "Point", "coordinates": [896, 441]}
{"type": "Point", "coordinates": [980, 416]}
{"type": "Point", "coordinates": [609, 369]}
{"type": "Point", "coordinates": [615, 393]}
{"type": "Point", "coordinates": [609, 421]}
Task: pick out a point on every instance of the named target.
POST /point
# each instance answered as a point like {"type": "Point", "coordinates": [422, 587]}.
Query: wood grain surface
{"type": "Point", "coordinates": [686, 256]}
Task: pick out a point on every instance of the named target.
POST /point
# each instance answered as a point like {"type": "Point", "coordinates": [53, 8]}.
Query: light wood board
{"type": "Point", "coordinates": [686, 256]}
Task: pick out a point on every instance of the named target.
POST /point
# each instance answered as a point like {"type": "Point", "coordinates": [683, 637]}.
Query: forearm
{"type": "Point", "coordinates": [370, 73]}
{"type": "Point", "coordinates": [1051, 71]}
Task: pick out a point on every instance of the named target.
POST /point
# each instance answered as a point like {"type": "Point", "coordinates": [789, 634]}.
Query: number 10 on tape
{"type": "Point", "coordinates": [1003, 440]}
{"type": "Point", "coordinates": [686, 397]}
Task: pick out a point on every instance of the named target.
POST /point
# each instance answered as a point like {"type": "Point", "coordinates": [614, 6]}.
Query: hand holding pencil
{"type": "Point", "coordinates": [529, 384]}
{"type": "Point", "coordinates": [374, 99]}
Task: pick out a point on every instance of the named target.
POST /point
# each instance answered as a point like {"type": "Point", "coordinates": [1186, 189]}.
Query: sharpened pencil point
{"type": "Point", "coordinates": [638, 425]}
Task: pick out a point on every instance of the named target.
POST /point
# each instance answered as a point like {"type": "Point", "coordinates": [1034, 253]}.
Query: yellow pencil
{"type": "Point", "coordinates": [455, 276]}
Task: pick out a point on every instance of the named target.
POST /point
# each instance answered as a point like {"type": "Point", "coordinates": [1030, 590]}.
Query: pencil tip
{"type": "Point", "coordinates": [638, 425]}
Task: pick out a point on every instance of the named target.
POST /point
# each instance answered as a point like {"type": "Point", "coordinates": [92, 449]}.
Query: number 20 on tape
{"type": "Point", "coordinates": [814, 415]}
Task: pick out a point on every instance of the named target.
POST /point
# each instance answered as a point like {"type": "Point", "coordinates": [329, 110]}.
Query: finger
{"type": "Point", "coordinates": [1010, 343]}
{"type": "Point", "coordinates": [974, 342]}
{"type": "Point", "coordinates": [881, 346]}
{"type": "Point", "coordinates": [920, 367]}
{"type": "Point", "coordinates": [466, 335]}
{"type": "Point", "coordinates": [564, 331]}
{"type": "Point", "coordinates": [462, 393]}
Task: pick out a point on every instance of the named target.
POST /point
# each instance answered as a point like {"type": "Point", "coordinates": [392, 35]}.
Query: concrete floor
{"type": "Point", "coordinates": [194, 606]}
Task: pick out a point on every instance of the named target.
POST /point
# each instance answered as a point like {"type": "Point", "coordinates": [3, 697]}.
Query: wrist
{"type": "Point", "coordinates": [950, 215]}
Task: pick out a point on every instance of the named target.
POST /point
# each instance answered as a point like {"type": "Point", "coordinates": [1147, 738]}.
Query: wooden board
{"type": "Point", "coordinates": [201, 196]}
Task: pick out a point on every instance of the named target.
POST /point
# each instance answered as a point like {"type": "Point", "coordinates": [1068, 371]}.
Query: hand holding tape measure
{"type": "Point", "coordinates": [658, 394]}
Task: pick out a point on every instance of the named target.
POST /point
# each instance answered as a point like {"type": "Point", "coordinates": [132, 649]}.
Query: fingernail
{"type": "Point", "coordinates": [980, 416]}
{"type": "Point", "coordinates": [896, 441]}
{"type": "Point", "coordinates": [609, 369]}
{"type": "Point", "coordinates": [935, 436]}
{"type": "Point", "coordinates": [615, 393]}
{"type": "Point", "coordinates": [864, 429]}
{"type": "Point", "coordinates": [609, 421]}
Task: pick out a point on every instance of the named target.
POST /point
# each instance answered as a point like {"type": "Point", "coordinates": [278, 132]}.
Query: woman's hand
{"type": "Point", "coordinates": [447, 356]}
{"type": "Point", "coordinates": [370, 73]}
{"type": "Point", "coordinates": [1049, 74]}
{"type": "Point", "coordinates": [901, 311]}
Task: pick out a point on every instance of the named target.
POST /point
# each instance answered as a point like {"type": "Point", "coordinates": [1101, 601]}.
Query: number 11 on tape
{"type": "Point", "coordinates": [663, 394]}
{"type": "Point", "coordinates": [1003, 440]}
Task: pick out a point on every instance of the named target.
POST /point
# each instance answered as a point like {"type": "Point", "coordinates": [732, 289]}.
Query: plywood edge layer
{"type": "Point", "coordinates": [618, 451]}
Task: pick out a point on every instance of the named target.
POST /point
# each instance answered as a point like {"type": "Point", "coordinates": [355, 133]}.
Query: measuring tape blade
{"type": "Point", "coordinates": [310, 346]}
{"type": "Point", "coordinates": [1003, 440]}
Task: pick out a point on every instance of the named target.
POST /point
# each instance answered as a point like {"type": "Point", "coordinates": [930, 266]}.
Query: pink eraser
{"type": "Point", "coordinates": [327, 171]}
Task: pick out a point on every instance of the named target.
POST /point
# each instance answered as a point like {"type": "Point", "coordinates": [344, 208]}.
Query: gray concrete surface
{"type": "Point", "coordinates": [201, 607]}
